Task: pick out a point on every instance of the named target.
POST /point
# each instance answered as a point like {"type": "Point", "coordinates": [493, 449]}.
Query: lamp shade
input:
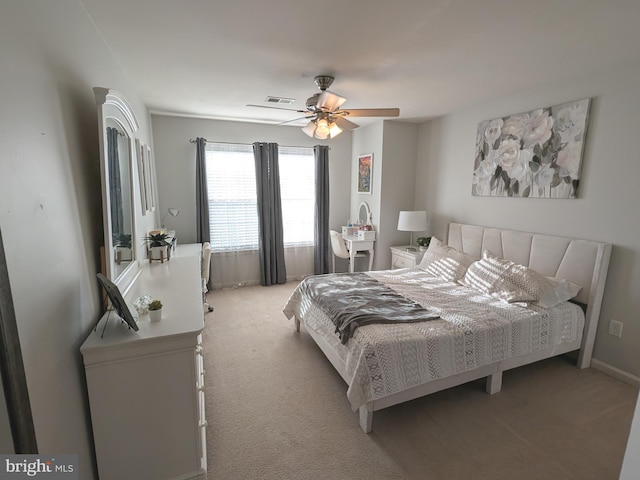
{"type": "Point", "coordinates": [412, 221]}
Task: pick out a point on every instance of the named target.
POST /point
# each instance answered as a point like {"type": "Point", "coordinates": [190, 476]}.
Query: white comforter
{"type": "Point", "coordinates": [473, 330]}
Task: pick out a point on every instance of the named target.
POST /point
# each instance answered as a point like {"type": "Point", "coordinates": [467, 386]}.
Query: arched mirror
{"type": "Point", "coordinates": [364, 214]}
{"type": "Point", "coordinates": [118, 125]}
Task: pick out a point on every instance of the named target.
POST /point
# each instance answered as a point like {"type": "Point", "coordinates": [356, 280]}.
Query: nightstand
{"type": "Point", "coordinates": [401, 258]}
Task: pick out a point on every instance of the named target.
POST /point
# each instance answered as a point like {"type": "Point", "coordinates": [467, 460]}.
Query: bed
{"type": "Point", "coordinates": [466, 334]}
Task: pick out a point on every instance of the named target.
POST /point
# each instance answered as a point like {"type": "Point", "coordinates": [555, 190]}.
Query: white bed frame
{"type": "Point", "coordinates": [583, 262]}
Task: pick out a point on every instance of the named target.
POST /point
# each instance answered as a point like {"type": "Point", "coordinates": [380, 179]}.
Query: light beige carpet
{"type": "Point", "coordinates": [277, 409]}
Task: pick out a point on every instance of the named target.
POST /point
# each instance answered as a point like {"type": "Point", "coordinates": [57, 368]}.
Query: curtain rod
{"type": "Point", "coordinates": [193, 140]}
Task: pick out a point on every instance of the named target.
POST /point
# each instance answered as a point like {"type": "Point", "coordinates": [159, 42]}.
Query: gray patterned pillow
{"type": "Point", "coordinates": [441, 260]}
{"type": "Point", "coordinates": [506, 280]}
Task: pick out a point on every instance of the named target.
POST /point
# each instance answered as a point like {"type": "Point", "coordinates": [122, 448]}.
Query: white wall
{"type": "Point", "coordinates": [50, 203]}
{"type": "Point", "coordinates": [607, 207]}
{"type": "Point", "coordinates": [400, 142]}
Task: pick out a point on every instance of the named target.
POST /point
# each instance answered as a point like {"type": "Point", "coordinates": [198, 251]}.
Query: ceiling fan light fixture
{"type": "Point", "coordinates": [322, 128]}
{"type": "Point", "coordinates": [309, 128]}
{"type": "Point", "coordinates": [334, 130]}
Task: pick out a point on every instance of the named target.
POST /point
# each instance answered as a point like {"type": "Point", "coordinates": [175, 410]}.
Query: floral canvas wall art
{"type": "Point", "coordinates": [536, 154]}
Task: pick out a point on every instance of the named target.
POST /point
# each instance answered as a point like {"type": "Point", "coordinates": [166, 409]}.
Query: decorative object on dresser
{"type": "Point", "coordinates": [412, 221]}
{"type": "Point", "coordinates": [155, 310]}
{"type": "Point", "coordinates": [117, 303]}
{"type": "Point", "coordinates": [365, 169]}
{"type": "Point", "coordinates": [532, 154]}
{"type": "Point", "coordinates": [401, 257]}
{"type": "Point", "coordinates": [158, 244]}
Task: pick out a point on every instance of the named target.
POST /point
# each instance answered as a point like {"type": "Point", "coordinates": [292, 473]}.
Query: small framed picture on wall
{"type": "Point", "coordinates": [365, 169]}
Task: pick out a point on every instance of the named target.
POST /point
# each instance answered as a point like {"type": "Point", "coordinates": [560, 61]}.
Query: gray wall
{"type": "Point", "coordinates": [607, 208]}
{"type": "Point", "coordinates": [50, 203]}
{"type": "Point", "coordinates": [175, 163]}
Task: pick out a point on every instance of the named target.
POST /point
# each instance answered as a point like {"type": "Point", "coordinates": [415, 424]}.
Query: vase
{"type": "Point", "coordinates": [423, 249]}
{"type": "Point", "coordinates": [155, 315]}
{"type": "Point", "coordinates": [158, 253]}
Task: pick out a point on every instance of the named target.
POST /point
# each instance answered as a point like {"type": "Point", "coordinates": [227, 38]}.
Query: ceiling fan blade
{"type": "Point", "coordinates": [296, 119]}
{"type": "Point", "coordinates": [345, 124]}
{"type": "Point", "coordinates": [372, 112]}
{"type": "Point", "coordinates": [276, 108]}
{"type": "Point", "coordinates": [329, 101]}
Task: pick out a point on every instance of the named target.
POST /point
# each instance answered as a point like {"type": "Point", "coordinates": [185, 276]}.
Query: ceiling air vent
{"type": "Point", "coordinates": [280, 100]}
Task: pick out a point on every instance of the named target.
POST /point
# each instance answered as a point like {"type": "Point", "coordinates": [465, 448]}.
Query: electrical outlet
{"type": "Point", "coordinates": [615, 328]}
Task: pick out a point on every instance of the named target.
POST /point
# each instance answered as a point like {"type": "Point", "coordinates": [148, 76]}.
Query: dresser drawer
{"type": "Point", "coordinates": [403, 258]}
{"type": "Point", "coordinates": [398, 261]}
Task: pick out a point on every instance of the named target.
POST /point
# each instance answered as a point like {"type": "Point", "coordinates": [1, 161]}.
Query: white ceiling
{"type": "Point", "coordinates": [211, 58]}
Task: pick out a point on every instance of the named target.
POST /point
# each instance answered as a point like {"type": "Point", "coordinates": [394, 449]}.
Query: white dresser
{"type": "Point", "coordinates": [401, 258]}
{"type": "Point", "coordinates": [146, 388]}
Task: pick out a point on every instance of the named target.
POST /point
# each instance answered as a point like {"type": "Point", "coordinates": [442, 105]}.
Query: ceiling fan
{"type": "Point", "coordinates": [326, 118]}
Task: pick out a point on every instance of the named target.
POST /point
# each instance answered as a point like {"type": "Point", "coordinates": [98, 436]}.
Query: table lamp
{"type": "Point", "coordinates": [412, 221]}
{"type": "Point", "coordinates": [170, 211]}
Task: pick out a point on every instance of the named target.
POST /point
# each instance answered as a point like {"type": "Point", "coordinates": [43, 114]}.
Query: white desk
{"type": "Point", "coordinates": [188, 250]}
{"type": "Point", "coordinates": [354, 245]}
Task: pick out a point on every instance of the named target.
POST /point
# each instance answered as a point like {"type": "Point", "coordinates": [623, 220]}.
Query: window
{"type": "Point", "coordinates": [297, 192]}
{"type": "Point", "coordinates": [231, 182]}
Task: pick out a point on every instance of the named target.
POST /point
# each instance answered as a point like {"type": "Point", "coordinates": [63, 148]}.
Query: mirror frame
{"type": "Point", "coordinates": [113, 106]}
{"type": "Point", "coordinates": [368, 220]}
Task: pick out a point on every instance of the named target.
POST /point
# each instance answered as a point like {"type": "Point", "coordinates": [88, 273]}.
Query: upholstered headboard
{"type": "Point", "coordinates": [583, 262]}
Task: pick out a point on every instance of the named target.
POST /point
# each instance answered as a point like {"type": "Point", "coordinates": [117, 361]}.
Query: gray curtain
{"type": "Point", "coordinates": [203, 233]}
{"type": "Point", "coordinates": [115, 183]}
{"type": "Point", "coordinates": [270, 237]}
{"type": "Point", "coordinates": [321, 247]}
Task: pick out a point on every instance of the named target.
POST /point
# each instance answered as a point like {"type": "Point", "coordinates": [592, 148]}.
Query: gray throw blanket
{"type": "Point", "coordinates": [352, 300]}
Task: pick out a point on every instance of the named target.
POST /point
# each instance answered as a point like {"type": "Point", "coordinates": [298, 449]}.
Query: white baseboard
{"type": "Point", "coordinates": [615, 372]}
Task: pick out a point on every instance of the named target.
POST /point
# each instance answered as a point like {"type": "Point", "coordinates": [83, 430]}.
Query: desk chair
{"type": "Point", "coordinates": [206, 270]}
{"type": "Point", "coordinates": [339, 249]}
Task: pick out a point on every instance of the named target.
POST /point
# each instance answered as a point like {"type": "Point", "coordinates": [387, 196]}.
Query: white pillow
{"type": "Point", "coordinates": [562, 291]}
{"type": "Point", "coordinates": [506, 280]}
{"type": "Point", "coordinates": [441, 260]}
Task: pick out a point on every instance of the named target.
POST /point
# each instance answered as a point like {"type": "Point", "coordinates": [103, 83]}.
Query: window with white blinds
{"type": "Point", "coordinates": [231, 183]}
{"type": "Point", "coordinates": [297, 193]}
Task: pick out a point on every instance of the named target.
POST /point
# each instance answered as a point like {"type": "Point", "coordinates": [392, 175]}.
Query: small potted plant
{"type": "Point", "coordinates": [423, 242]}
{"type": "Point", "coordinates": [155, 310]}
{"type": "Point", "coordinates": [122, 243]}
{"type": "Point", "coordinates": [158, 246]}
